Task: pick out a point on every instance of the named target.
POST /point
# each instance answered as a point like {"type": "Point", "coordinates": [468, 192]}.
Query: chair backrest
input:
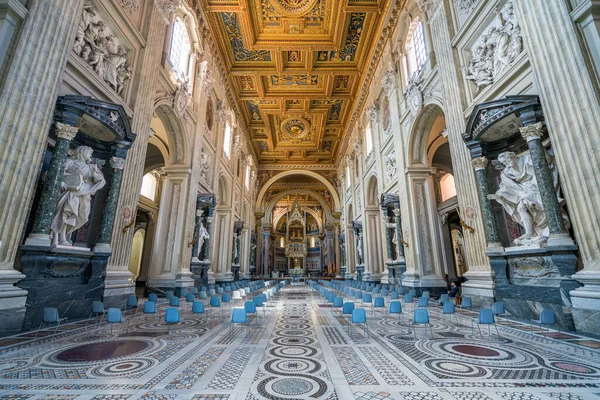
{"type": "Point", "coordinates": [358, 295]}
{"type": "Point", "coordinates": [466, 302]}
{"type": "Point", "coordinates": [379, 302]}
{"type": "Point", "coordinates": [220, 290]}
{"type": "Point", "coordinates": [236, 295]}
{"type": "Point", "coordinates": [421, 316]}
{"type": "Point", "coordinates": [184, 292]}
{"type": "Point", "coordinates": [149, 307]}
{"type": "Point", "coordinates": [408, 298]}
{"type": "Point", "coordinates": [174, 301]}
{"type": "Point", "coordinates": [338, 302]}
{"type": "Point", "coordinates": [425, 293]}
{"type": "Point", "coordinates": [395, 307]}
{"type": "Point", "coordinates": [444, 298]}
{"type": "Point", "coordinates": [212, 292]}
{"type": "Point", "coordinates": [169, 294]}
{"type": "Point", "coordinates": [367, 298]}
{"type": "Point", "coordinates": [394, 295]}
{"type": "Point", "coordinates": [195, 290]}
{"type": "Point", "coordinates": [114, 315]}
{"type": "Point", "coordinates": [348, 308]}
{"type": "Point", "coordinates": [423, 302]}
{"type": "Point", "coordinates": [250, 307]}
{"type": "Point", "coordinates": [215, 301]}
{"type": "Point", "coordinates": [226, 298]}
{"type": "Point", "coordinates": [51, 315]}
{"type": "Point", "coordinates": [448, 308]}
{"type": "Point", "coordinates": [359, 316]}
{"type": "Point", "coordinates": [247, 290]}
{"type": "Point", "coordinates": [548, 317]}
{"type": "Point", "coordinates": [198, 307]}
{"type": "Point", "coordinates": [202, 294]}
{"type": "Point", "coordinates": [153, 297]}
{"type": "Point", "coordinates": [384, 292]}
{"type": "Point", "coordinates": [413, 292]}
{"type": "Point", "coordinates": [131, 301]}
{"type": "Point", "coordinates": [498, 308]}
{"type": "Point", "coordinates": [190, 297]}
{"type": "Point", "coordinates": [97, 306]}
{"type": "Point", "coordinates": [238, 316]}
{"type": "Point", "coordinates": [486, 316]}
{"type": "Point", "coordinates": [172, 316]}
{"type": "Point", "coordinates": [258, 301]}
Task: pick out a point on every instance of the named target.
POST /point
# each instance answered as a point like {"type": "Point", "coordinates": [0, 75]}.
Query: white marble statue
{"type": "Point", "coordinates": [520, 196]}
{"type": "Point", "coordinates": [204, 165]}
{"type": "Point", "coordinates": [203, 235]}
{"type": "Point", "coordinates": [81, 180]}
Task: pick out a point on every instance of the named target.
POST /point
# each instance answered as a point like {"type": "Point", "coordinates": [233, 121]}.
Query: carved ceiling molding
{"type": "Point", "coordinates": [130, 4]}
{"type": "Point", "coordinates": [320, 167]}
{"type": "Point", "coordinates": [386, 33]}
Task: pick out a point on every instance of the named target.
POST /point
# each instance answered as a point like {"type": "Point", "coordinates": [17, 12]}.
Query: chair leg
{"type": "Point", "coordinates": [479, 329]}
{"type": "Point", "coordinates": [498, 332]}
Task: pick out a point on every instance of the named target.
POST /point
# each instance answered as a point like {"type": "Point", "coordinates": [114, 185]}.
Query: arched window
{"type": "Point", "coordinates": [149, 185]}
{"type": "Point", "coordinates": [227, 140]}
{"type": "Point", "coordinates": [416, 48]}
{"type": "Point", "coordinates": [447, 187]}
{"type": "Point", "coordinates": [179, 54]}
{"type": "Point", "coordinates": [369, 139]}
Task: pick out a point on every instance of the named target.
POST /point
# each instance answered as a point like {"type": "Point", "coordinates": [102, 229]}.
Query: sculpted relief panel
{"type": "Point", "coordinates": [101, 49]}
{"type": "Point", "coordinates": [496, 49]}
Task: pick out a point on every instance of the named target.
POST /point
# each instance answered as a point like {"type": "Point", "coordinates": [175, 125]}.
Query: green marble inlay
{"type": "Point", "coordinates": [486, 206]}
{"type": "Point", "coordinates": [110, 207]}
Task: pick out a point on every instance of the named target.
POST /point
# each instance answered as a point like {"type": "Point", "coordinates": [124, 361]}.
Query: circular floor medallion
{"type": "Point", "coordinates": [102, 351]}
{"type": "Point", "coordinates": [292, 386]}
{"type": "Point", "coordinates": [477, 351]}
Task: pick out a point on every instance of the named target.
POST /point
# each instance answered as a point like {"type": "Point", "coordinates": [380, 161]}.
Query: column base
{"type": "Point", "coordinates": [38, 239]}
{"type": "Point", "coordinates": [117, 286]}
{"type": "Point", "coordinates": [479, 287]}
{"type": "Point", "coordinates": [183, 280]}
{"type": "Point", "coordinates": [12, 302]}
{"type": "Point", "coordinates": [223, 277]}
{"type": "Point", "coordinates": [586, 302]}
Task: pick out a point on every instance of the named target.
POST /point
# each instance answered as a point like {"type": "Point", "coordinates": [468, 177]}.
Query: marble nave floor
{"type": "Point", "coordinates": [300, 349]}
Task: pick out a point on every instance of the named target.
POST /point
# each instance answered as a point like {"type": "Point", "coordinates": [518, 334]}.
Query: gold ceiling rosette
{"type": "Point", "coordinates": [293, 8]}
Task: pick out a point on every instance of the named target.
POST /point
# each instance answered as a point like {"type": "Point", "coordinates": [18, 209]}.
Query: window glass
{"type": "Point", "coordinates": [179, 54]}
{"type": "Point", "coordinates": [149, 184]}
{"type": "Point", "coordinates": [227, 140]}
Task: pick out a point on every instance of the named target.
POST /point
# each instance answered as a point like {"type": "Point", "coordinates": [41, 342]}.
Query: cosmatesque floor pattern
{"type": "Point", "coordinates": [297, 348]}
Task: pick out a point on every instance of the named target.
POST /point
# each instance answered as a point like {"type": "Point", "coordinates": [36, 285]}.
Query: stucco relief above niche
{"type": "Point", "coordinates": [97, 45]}
{"type": "Point", "coordinates": [496, 49]}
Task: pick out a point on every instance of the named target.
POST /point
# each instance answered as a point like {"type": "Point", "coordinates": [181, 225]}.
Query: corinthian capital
{"type": "Point", "coordinates": [532, 132]}
{"type": "Point", "coordinates": [427, 6]}
{"type": "Point", "coordinates": [479, 163]}
{"type": "Point", "coordinates": [117, 163]}
{"type": "Point", "coordinates": [65, 131]}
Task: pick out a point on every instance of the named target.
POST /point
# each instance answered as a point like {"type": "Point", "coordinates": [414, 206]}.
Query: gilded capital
{"type": "Point", "coordinates": [479, 163]}
{"type": "Point", "coordinates": [65, 131]}
{"type": "Point", "coordinates": [532, 132]}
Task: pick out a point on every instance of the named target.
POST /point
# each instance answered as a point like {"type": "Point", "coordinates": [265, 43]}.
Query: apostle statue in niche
{"type": "Point", "coordinates": [81, 180]}
{"type": "Point", "coordinates": [520, 196]}
{"type": "Point", "coordinates": [203, 235]}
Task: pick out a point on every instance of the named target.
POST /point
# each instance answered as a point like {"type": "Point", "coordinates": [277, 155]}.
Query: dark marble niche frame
{"type": "Point", "coordinates": [389, 202]}
{"type": "Point", "coordinates": [70, 279]}
{"type": "Point", "coordinates": [527, 279]}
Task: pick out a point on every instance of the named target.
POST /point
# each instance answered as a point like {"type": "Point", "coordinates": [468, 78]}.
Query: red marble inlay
{"type": "Point", "coordinates": [102, 351]}
{"type": "Point", "coordinates": [573, 368]}
{"type": "Point", "coordinates": [475, 350]}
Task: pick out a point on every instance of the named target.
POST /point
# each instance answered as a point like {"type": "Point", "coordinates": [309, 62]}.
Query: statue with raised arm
{"type": "Point", "coordinates": [203, 235]}
{"type": "Point", "coordinates": [81, 180]}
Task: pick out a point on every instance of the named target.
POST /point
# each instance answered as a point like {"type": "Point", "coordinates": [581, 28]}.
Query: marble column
{"type": "Point", "coordinates": [336, 246]}
{"type": "Point", "coordinates": [267, 241]}
{"type": "Point", "coordinates": [545, 180]}
{"type": "Point", "coordinates": [209, 220]}
{"type": "Point", "coordinates": [567, 90]}
{"type": "Point", "coordinates": [483, 188]}
{"type": "Point", "coordinates": [110, 207]}
{"type": "Point", "coordinates": [118, 278]}
{"type": "Point", "coordinates": [389, 241]}
{"type": "Point", "coordinates": [40, 234]}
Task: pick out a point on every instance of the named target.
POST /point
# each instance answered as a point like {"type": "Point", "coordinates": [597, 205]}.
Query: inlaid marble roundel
{"type": "Point", "coordinates": [295, 128]}
{"type": "Point", "coordinates": [293, 8]}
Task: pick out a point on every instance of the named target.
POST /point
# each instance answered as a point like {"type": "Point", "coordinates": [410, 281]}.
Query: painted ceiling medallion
{"type": "Point", "coordinates": [293, 8]}
{"type": "Point", "coordinates": [295, 128]}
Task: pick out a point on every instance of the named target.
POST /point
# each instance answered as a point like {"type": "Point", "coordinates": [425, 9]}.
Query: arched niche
{"type": "Point", "coordinates": [271, 205]}
{"type": "Point", "coordinates": [169, 128]}
{"type": "Point", "coordinates": [312, 212]}
{"type": "Point", "coordinates": [263, 191]}
{"type": "Point", "coordinates": [372, 193]}
{"type": "Point", "coordinates": [428, 120]}
{"type": "Point", "coordinates": [223, 193]}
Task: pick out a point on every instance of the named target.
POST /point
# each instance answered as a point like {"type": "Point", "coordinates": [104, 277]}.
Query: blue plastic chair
{"type": "Point", "coordinates": [51, 317]}
{"type": "Point", "coordinates": [368, 298]}
{"type": "Point", "coordinates": [195, 290]}
{"type": "Point", "coordinates": [169, 294]}
{"type": "Point", "coordinates": [338, 302]}
{"type": "Point", "coordinates": [172, 317]}
{"type": "Point", "coordinates": [425, 293]}
{"type": "Point", "coordinates": [379, 303]}
{"type": "Point", "coordinates": [215, 302]}
{"type": "Point", "coordinates": [384, 292]}
{"type": "Point", "coordinates": [359, 316]}
{"type": "Point", "coordinates": [115, 316]}
{"type": "Point", "coordinates": [358, 295]}
{"type": "Point", "coordinates": [212, 292]}
{"type": "Point", "coordinates": [548, 318]}
{"type": "Point", "coordinates": [149, 308]}
{"type": "Point", "coordinates": [250, 308]}
{"type": "Point", "coordinates": [448, 308]}
{"type": "Point", "coordinates": [97, 310]}
{"type": "Point", "coordinates": [132, 301]}
{"type": "Point", "coordinates": [423, 302]}
{"type": "Point", "coordinates": [347, 308]}
{"type": "Point", "coordinates": [197, 307]}
{"type": "Point", "coordinates": [498, 309]}
{"type": "Point", "coordinates": [466, 303]}
{"type": "Point", "coordinates": [153, 297]}
{"type": "Point", "coordinates": [220, 290]}
{"type": "Point", "coordinates": [444, 298]}
{"type": "Point", "coordinates": [421, 317]}
{"type": "Point", "coordinates": [174, 301]}
{"type": "Point", "coordinates": [202, 295]}
{"type": "Point", "coordinates": [394, 295]}
{"type": "Point", "coordinates": [238, 316]}
{"type": "Point", "coordinates": [395, 308]}
{"type": "Point", "coordinates": [486, 317]}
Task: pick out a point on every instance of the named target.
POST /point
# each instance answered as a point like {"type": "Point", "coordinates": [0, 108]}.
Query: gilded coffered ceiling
{"type": "Point", "coordinates": [296, 67]}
